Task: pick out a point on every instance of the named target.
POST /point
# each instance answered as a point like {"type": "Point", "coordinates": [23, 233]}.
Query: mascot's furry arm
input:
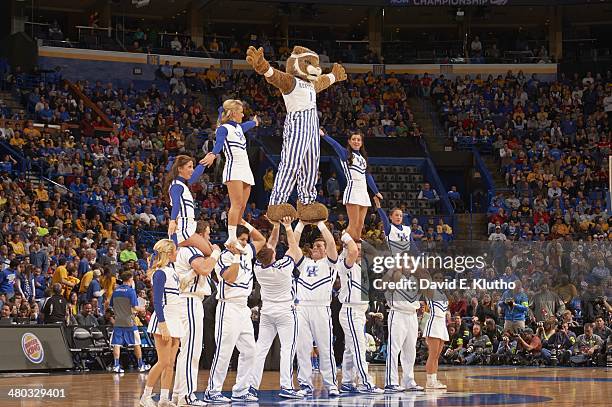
{"type": "Point", "coordinates": [325, 81]}
{"type": "Point", "coordinates": [281, 80]}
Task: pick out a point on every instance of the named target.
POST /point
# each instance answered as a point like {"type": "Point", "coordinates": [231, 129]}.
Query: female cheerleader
{"type": "Point", "coordinates": [435, 331]}
{"type": "Point", "coordinates": [182, 225]}
{"type": "Point", "coordinates": [399, 236]}
{"type": "Point", "coordinates": [237, 174]}
{"type": "Point", "coordinates": [355, 166]}
{"type": "Point", "coordinates": [165, 324]}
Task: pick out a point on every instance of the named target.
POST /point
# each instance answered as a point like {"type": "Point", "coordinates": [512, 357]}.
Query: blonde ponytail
{"type": "Point", "coordinates": [161, 255]}
{"type": "Point", "coordinates": [228, 107]}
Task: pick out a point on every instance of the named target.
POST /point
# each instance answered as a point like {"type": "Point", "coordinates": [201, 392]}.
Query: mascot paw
{"type": "Point", "coordinates": [313, 212]}
{"type": "Point", "coordinates": [277, 212]}
{"type": "Point", "coordinates": [339, 72]}
{"type": "Point", "coordinates": [255, 58]}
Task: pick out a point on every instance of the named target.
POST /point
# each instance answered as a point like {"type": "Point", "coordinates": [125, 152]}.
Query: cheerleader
{"type": "Point", "coordinates": [165, 322]}
{"type": "Point", "coordinates": [182, 224]}
{"type": "Point", "coordinates": [435, 332]}
{"type": "Point", "coordinates": [399, 236]}
{"type": "Point", "coordinates": [355, 167]}
{"type": "Point", "coordinates": [237, 174]}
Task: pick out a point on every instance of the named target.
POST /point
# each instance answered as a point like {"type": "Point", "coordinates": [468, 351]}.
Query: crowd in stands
{"type": "Point", "coordinates": [71, 236]}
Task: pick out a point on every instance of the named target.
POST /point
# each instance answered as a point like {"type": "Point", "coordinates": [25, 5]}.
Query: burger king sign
{"type": "Point", "coordinates": [32, 348]}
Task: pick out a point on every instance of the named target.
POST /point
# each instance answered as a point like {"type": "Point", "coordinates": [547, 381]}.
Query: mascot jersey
{"type": "Point", "coordinates": [301, 146]}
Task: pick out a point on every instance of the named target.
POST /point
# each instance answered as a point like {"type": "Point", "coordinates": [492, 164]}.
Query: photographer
{"type": "Point", "coordinates": [546, 329]}
{"type": "Point", "coordinates": [454, 345]}
{"type": "Point", "coordinates": [557, 348]}
{"type": "Point", "coordinates": [587, 346]}
{"type": "Point", "coordinates": [529, 343]}
{"type": "Point", "coordinates": [493, 331]}
{"type": "Point", "coordinates": [478, 346]}
{"type": "Point", "coordinates": [506, 348]}
{"type": "Point", "coordinates": [593, 303]}
{"type": "Point", "coordinates": [514, 307]}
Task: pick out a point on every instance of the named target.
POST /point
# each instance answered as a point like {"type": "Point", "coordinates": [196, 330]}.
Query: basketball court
{"type": "Point", "coordinates": [468, 386]}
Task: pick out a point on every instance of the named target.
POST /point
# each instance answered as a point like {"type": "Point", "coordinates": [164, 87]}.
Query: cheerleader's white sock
{"type": "Point", "coordinates": [163, 394]}
{"type": "Point", "coordinates": [231, 231]}
{"type": "Point", "coordinates": [147, 391]}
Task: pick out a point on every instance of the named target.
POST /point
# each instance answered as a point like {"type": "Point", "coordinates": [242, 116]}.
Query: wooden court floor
{"type": "Point", "coordinates": [466, 386]}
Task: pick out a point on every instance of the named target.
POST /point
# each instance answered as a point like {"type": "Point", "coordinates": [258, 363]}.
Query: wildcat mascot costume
{"type": "Point", "coordinates": [300, 154]}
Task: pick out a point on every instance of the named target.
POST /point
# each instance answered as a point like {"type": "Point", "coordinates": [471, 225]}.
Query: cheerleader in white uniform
{"type": "Point", "coordinates": [399, 236]}
{"type": "Point", "coordinates": [436, 332]}
{"type": "Point", "coordinates": [165, 322]}
{"type": "Point", "coordinates": [237, 174]}
{"type": "Point", "coordinates": [182, 224]}
{"type": "Point", "coordinates": [354, 160]}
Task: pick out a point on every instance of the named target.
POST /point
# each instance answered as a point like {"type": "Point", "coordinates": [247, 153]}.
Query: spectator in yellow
{"type": "Point", "coordinates": [31, 131]}
{"type": "Point", "coordinates": [60, 276]}
{"type": "Point", "coordinates": [72, 278]}
{"type": "Point", "coordinates": [268, 180]}
{"type": "Point", "coordinates": [85, 281]}
{"type": "Point", "coordinates": [41, 193]}
{"type": "Point", "coordinates": [118, 216]}
{"type": "Point", "coordinates": [81, 223]}
{"type": "Point", "coordinates": [108, 282]}
{"type": "Point", "coordinates": [128, 254]}
{"type": "Point", "coordinates": [17, 245]}
{"type": "Point", "coordinates": [17, 140]}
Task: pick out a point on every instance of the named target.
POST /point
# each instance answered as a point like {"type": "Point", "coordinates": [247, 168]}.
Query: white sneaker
{"type": "Point", "coordinates": [333, 392]}
{"type": "Point", "coordinates": [435, 386]}
{"type": "Point", "coordinates": [118, 369]}
{"type": "Point", "coordinates": [165, 403]}
{"type": "Point", "coordinates": [175, 399]}
{"type": "Point", "coordinates": [147, 401]}
{"type": "Point", "coordinates": [369, 390]}
{"type": "Point", "coordinates": [196, 402]}
{"type": "Point", "coordinates": [413, 386]}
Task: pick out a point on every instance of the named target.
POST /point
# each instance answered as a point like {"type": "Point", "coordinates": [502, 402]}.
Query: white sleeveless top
{"type": "Point", "coordinates": [403, 300]}
{"type": "Point", "coordinates": [355, 172]}
{"type": "Point", "coordinates": [235, 144]}
{"type": "Point", "coordinates": [239, 290]}
{"type": "Point", "coordinates": [316, 281]}
{"type": "Point", "coordinates": [353, 289]}
{"type": "Point", "coordinates": [171, 288]}
{"type": "Point", "coordinates": [186, 204]}
{"type": "Point", "coordinates": [302, 97]}
{"type": "Point", "coordinates": [399, 238]}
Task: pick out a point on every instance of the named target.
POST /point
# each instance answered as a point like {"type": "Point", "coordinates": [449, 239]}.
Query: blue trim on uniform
{"type": "Point", "coordinates": [357, 352]}
{"type": "Point", "coordinates": [331, 348]}
{"type": "Point", "coordinates": [297, 264]}
{"type": "Point", "coordinates": [190, 338]}
{"type": "Point", "coordinates": [211, 383]}
{"type": "Point", "coordinates": [389, 344]}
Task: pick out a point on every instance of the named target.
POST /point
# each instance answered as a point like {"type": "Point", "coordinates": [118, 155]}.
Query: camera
{"type": "Point", "coordinates": [509, 301]}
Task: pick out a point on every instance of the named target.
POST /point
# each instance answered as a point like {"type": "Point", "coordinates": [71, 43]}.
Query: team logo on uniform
{"type": "Point", "coordinates": [311, 271]}
{"type": "Point", "coordinates": [32, 348]}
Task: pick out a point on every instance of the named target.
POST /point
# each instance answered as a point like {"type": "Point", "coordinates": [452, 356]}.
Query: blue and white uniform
{"type": "Point", "coordinates": [403, 331]}
{"type": "Point", "coordinates": [436, 325]}
{"type": "Point", "coordinates": [167, 304]}
{"type": "Point", "coordinates": [354, 298]}
{"type": "Point", "coordinates": [313, 297]}
{"type": "Point", "coordinates": [233, 327]}
{"type": "Point", "coordinates": [277, 315]}
{"type": "Point", "coordinates": [301, 146]}
{"type": "Point", "coordinates": [399, 237]}
{"type": "Point", "coordinates": [193, 288]}
{"type": "Point", "coordinates": [183, 206]}
{"type": "Point", "coordinates": [231, 139]}
{"type": "Point", "coordinates": [357, 177]}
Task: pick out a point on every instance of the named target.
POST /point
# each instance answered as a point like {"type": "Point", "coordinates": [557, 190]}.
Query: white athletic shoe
{"type": "Point", "coordinates": [165, 403]}
{"type": "Point", "coordinates": [118, 369]}
{"type": "Point", "coordinates": [147, 401]}
{"type": "Point", "coordinates": [333, 392]}
{"type": "Point", "coordinates": [413, 386]}
{"type": "Point", "coordinates": [196, 402]}
{"type": "Point", "coordinates": [369, 390]}
{"type": "Point", "coordinates": [175, 399]}
{"type": "Point", "coordinates": [435, 386]}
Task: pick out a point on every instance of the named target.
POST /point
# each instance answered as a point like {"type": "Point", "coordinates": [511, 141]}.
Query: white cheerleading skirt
{"type": "Point", "coordinates": [356, 193]}
{"type": "Point", "coordinates": [238, 169]}
{"type": "Point", "coordinates": [185, 228]}
{"type": "Point", "coordinates": [173, 314]}
{"type": "Point", "coordinates": [436, 328]}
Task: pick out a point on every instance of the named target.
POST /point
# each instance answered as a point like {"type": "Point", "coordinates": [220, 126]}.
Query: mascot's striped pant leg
{"type": "Point", "coordinates": [299, 158]}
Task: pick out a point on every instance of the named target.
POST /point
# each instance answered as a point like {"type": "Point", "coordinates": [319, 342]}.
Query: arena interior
{"type": "Point", "coordinates": [461, 145]}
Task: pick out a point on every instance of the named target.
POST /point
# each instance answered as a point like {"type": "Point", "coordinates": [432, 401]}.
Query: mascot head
{"type": "Point", "coordinates": [303, 63]}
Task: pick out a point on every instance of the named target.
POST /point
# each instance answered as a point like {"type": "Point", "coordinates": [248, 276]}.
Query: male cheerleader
{"type": "Point", "coordinates": [233, 317]}
{"type": "Point", "coordinates": [354, 298]}
{"type": "Point", "coordinates": [278, 309]}
{"type": "Point", "coordinates": [403, 330]}
{"type": "Point", "coordinates": [193, 270]}
{"type": "Point", "coordinates": [313, 296]}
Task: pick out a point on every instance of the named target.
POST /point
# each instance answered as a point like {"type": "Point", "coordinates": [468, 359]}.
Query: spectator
{"type": "Point", "coordinates": [5, 315]}
{"type": "Point", "coordinates": [587, 345]}
{"type": "Point", "coordinates": [128, 254]}
{"type": "Point", "coordinates": [95, 290]}
{"type": "Point", "coordinates": [55, 310]}
{"type": "Point", "coordinates": [86, 318]}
